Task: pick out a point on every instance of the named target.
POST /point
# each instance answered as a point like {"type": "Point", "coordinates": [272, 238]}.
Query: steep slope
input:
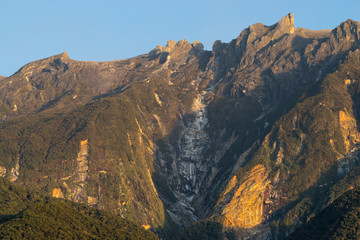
{"type": "Point", "coordinates": [249, 83]}
{"type": "Point", "coordinates": [340, 220]}
{"type": "Point", "coordinates": [259, 76]}
{"type": "Point", "coordinates": [29, 215]}
{"type": "Point", "coordinates": [308, 150]}
{"type": "Point", "coordinates": [251, 135]}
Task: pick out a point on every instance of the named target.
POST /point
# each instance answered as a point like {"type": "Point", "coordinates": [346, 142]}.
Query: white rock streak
{"type": "Point", "coordinates": [189, 165]}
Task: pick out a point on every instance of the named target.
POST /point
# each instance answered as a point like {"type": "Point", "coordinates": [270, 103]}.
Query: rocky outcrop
{"type": "Point", "coordinates": [261, 60]}
{"type": "Point", "coordinates": [15, 171]}
{"type": "Point", "coordinates": [349, 130]}
{"type": "Point", "coordinates": [78, 180]}
{"type": "Point", "coordinates": [2, 171]}
{"type": "Point", "coordinates": [246, 208]}
{"type": "Point", "coordinates": [186, 173]}
{"type": "Point", "coordinates": [57, 193]}
{"type": "Point", "coordinates": [79, 193]}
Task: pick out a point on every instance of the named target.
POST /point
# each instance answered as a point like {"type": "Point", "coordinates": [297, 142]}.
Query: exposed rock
{"type": "Point", "coordinates": [312, 34]}
{"type": "Point", "coordinates": [82, 168]}
{"type": "Point", "coordinates": [59, 81]}
{"type": "Point", "coordinates": [286, 24]}
{"type": "Point", "coordinates": [158, 99]}
{"type": "Point", "coordinates": [280, 156]}
{"type": "Point", "coordinates": [92, 201]}
{"type": "Point", "coordinates": [188, 167]}
{"type": "Point", "coordinates": [57, 193]}
{"type": "Point", "coordinates": [347, 82]}
{"type": "Point", "coordinates": [146, 227]}
{"type": "Point", "coordinates": [78, 193]}
{"type": "Point", "coordinates": [246, 208]}
{"type": "Point", "coordinates": [349, 129]}
{"type": "Point", "coordinates": [2, 171]}
{"type": "Point", "coordinates": [262, 58]}
{"type": "Point", "coordinates": [198, 46]}
{"type": "Point", "coordinates": [14, 173]}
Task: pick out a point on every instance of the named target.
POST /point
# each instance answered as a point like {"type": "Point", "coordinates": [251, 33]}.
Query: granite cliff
{"type": "Point", "coordinates": [252, 136]}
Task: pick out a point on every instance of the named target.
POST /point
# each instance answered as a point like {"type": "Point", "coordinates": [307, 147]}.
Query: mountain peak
{"type": "Point", "coordinates": [258, 35]}
{"type": "Point", "coordinates": [286, 24]}
{"type": "Point", "coordinates": [350, 24]}
{"type": "Point", "coordinates": [63, 56]}
{"type": "Point", "coordinates": [350, 21]}
{"type": "Point", "coordinates": [174, 48]}
{"type": "Point", "coordinates": [171, 45]}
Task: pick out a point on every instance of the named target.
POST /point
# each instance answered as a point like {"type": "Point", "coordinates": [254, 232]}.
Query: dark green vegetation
{"type": "Point", "coordinates": [45, 141]}
{"type": "Point", "coordinates": [340, 220]}
{"type": "Point", "coordinates": [208, 229]}
{"type": "Point", "coordinates": [319, 142]}
{"type": "Point", "coordinates": [29, 215]}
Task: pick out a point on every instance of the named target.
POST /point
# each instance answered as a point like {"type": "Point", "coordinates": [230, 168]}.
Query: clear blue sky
{"type": "Point", "coordinates": [102, 30]}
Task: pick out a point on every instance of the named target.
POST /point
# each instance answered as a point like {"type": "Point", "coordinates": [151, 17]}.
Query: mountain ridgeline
{"type": "Point", "coordinates": [250, 140]}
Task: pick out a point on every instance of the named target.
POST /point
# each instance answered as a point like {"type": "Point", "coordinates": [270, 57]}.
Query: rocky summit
{"type": "Point", "coordinates": [250, 140]}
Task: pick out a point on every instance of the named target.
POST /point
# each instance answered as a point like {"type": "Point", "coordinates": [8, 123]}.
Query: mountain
{"type": "Point", "coordinates": [26, 214]}
{"type": "Point", "coordinates": [250, 140]}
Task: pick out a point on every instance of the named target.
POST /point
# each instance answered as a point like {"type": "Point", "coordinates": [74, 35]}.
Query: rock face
{"type": "Point", "coordinates": [246, 208]}
{"type": "Point", "coordinates": [246, 133]}
{"type": "Point", "coordinates": [349, 129]}
{"type": "Point", "coordinates": [57, 193]}
{"type": "Point", "coordinates": [2, 171]}
{"type": "Point", "coordinates": [82, 169]}
{"type": "Point", "coordinates": [14, 173]}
